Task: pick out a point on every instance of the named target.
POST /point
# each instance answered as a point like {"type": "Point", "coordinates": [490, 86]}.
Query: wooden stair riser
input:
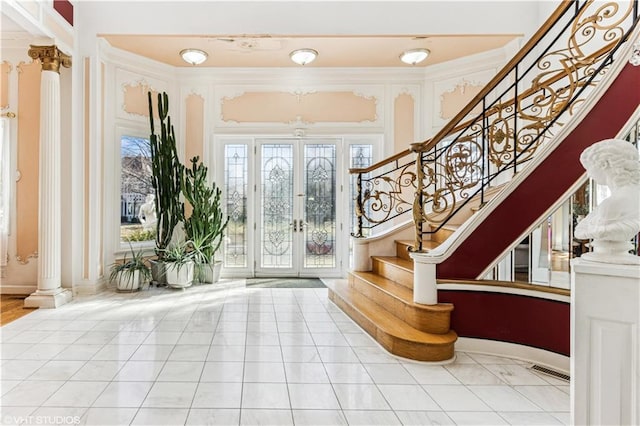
{"type": "Point", "coordinates": [423, 319]}
{"type": "Point", "coordinates": [442, 234]}
{"type": "Point", "coordinates": [397, 346]}
{"type": "Point", "coordinates": [402, 250]}
{"type": "Point", "coordinates": [393, 272]}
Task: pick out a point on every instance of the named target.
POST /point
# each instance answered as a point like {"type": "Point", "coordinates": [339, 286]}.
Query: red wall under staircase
{"type": "Point", "coordinates": [530, 321]}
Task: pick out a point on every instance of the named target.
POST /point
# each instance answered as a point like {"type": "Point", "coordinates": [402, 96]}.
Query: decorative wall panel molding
{"type": "Point", "coordinates": [452, 94]}
{"type": "Point", "coordinates": [132, 101]}
{"type": "Point", "coordinates": [5, 69]}
{"type": "Point", "coordinates": [361, 106]}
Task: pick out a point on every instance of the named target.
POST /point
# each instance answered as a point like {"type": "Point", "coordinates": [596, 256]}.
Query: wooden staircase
{"type": "Point", "coordinates": [381, 302]}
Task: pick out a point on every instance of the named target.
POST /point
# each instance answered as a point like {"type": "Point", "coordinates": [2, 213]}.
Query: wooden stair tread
{"type": "Point", "coordinates": [387, 322]}
{"type": "Point", "coordinates": [399, 291]}
{"type": "Point", "coordinates": [407, 265]}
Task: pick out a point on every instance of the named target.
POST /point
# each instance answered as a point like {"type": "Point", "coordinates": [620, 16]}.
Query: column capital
{"type": "Point", "coordinates": [51, 57]}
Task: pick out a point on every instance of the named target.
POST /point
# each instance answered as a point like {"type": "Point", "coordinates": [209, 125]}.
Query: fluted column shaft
{"type": "Point", "coordinates": [49, 219]}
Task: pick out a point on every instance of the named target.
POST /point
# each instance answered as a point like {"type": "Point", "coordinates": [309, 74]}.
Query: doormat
{"type": "Point", "coordinates": [285, 283]}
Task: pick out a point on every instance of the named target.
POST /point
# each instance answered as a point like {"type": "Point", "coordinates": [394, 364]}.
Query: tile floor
{"type": "Point", "coordinates": [228, 355]}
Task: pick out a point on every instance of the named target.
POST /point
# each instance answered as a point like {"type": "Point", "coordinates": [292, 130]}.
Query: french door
{"type": "Point", "coordinates": [289, 203]}
{"type": "Point", "coordinates": [296, 217]}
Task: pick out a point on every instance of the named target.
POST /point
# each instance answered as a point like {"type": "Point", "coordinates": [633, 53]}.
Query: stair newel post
{"type": "Point", "coordinates": [418, 218]}
{"type": "Point", "coordinates": [359, 207]}
{"type": "Point", "coordinates": [361, 256]}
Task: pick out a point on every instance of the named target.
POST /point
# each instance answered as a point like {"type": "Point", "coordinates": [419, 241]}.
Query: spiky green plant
{"type": "Point", "coordinates": [167, 172]}
{"type": "Point", "coordinates": [205, 227]}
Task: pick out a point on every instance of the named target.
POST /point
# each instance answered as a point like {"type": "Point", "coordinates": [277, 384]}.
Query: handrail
{"type": "Point", "coordinates": [507, 133]}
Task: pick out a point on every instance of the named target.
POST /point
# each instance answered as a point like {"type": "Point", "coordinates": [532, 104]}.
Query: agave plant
{"type": "Point", "coordinates": [132, 271]}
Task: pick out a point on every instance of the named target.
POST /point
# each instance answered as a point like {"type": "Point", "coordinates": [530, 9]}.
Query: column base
{"type": "Point", "coordinates": [48, 298]}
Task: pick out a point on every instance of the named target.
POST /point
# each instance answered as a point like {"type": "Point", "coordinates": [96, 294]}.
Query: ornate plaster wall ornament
{"type": "Point", "coordinates": [635, 55]}
{"type": "Point", "coordinates": [613, 223]}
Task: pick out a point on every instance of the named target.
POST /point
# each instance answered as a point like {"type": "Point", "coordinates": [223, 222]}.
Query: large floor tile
{"type": "Point", "coordinates": [76, 394]}
{"type": "Point", "coordinates": [265, 395]}
{"type": "Point", "coordinates": [218, 395]}
{"type": "Point", "coordinates": [108, 416]}
{"type": "Point", "coordinates": [549, 398]}
{"type": "Point", "coordinates": [522, 418]}
{"type": "Point", "coordinates": [421, 418]}
{"type": "Point", "coordinates": [213, 417]}
{"type": "Point", "coordinates": [170, 395]}
{"type": "Point", "coordinates": [160, 416]}
{"type": "Point", "coordinates": [319, 417]}
{"type": "Point", "coordinates": [389, 374]}
{"type": "Point", "coordinates": [181, 371]}
{"type": "Point", "coordinates": [222, 372]}
{"type": "Point", "coordinates": [473, 374]}
{"type": "Point", "coordinates": [514, 374]}
{"type": "Point", "coordinates": [123, 394]}
{"type": "Point", "coordinates": [300, 372]}
{"type": "Point", "coordinates": [30, 393]}
{"type": "Point", "coordinates": [360, 397]}
{"type": "Point", "coordinates": [140, 371]}
{"type": "Point", "coordinates": [455, 398]}
{"type": "Point", "coordinates": [503, 398]}
{"type": "Point", "coordinates": [312, 396]}
{"type": "Point", "coordinates": [471, 418]}
{"type": "Point", "coordinates": [251, 417]}
{"type": "Point", "coordinates": [371, 418]}
{"type": "Point", "coordinates": [407, 397]}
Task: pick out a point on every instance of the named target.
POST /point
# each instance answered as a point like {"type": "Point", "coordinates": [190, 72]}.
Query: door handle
{"type": "Point", "coordinates": [295, 225]}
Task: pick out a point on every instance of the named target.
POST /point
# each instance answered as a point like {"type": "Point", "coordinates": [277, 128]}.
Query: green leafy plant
{"type": "Point", "coordinates": [130, 269]}
{"type": "Point", "coordinates": [167, 172]}
{"type": "Point", "coordinates": [179, 254]}
{"type": "Point", "coordinates": [207, 223]}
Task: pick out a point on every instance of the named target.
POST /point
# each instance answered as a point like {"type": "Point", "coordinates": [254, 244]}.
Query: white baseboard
{"type": "Point", "coordinates": [87, 289]}
{"type": "Point", "coordinates": [549, 359]}
{"type": "Point", "coordinates": [18, 289]}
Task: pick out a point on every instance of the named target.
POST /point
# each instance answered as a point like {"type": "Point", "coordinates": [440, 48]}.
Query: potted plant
{"type": "Point", "coordinates": [167, 174]}
{"type": "Point", "coordinates": [130, 274]}
{"type": "Point", "coordinates": [204, 228]}
{"type": "Point", "coordinates": [179, 265]}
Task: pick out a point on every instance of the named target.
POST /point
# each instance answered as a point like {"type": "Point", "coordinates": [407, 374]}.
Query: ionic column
{"type": "Point", "coordinates": [49, 294]}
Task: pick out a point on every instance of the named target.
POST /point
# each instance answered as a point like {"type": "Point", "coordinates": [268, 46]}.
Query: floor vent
{"type": "Point", "coordinates": [550, 372]}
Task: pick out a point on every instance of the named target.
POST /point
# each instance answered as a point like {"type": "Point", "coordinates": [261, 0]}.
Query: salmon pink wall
{"type": "Point", "coordinates": [28, 154]}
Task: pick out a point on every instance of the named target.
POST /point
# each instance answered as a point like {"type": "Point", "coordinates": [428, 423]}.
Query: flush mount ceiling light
{"type": "Point", "coordinates": [303, 56]}
{"type": "Point", "coordinates": [194, 56]}
{"type": "Point", "coordinates": [414, 56]}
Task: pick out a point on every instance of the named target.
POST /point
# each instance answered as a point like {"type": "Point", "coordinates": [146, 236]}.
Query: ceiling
{"type": "Point", "coordinates": [334, 51]}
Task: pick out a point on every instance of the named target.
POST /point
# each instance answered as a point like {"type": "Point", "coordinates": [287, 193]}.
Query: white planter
{"type": "Point", "coordinates": [210, 273]}
{"type": "Point", "coordinates": [158, 273]}
{"type": "Point", "coordinates": [179, 276]}
{"type": "Point", "coordinates": [128, 281]}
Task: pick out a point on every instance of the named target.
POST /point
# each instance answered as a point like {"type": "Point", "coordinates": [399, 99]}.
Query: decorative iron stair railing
{"type": "Point", "coordinates": [503, 127]}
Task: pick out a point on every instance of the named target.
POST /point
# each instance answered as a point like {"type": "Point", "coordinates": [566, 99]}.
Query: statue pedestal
{"type": "Point", "coordinates": [605, 343]}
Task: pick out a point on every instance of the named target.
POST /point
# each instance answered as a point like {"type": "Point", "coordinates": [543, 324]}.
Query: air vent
{"type": "Point", "coordinates": [550, 372]}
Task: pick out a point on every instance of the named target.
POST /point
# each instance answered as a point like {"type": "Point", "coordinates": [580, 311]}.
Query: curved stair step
{"type": "Point", "coordinates": [398, 300]}
{"type": "Point", "coordinates": [393, 334]}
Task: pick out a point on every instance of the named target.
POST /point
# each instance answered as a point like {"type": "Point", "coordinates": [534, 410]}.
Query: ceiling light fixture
{"type": "Point", "coordinates": [194, 56]}
{"type": "Point", "coordinates": [414, 56]}
{"type": "Point", "coordinates": [303, 56]}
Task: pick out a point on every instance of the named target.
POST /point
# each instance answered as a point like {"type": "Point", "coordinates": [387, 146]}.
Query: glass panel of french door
{"type": "Point", "coordinates": [319, 222]}
{"type": "Point", "coordinates": [276, 206]}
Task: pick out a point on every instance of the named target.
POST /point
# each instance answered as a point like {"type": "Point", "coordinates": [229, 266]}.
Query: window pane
{"type": "Point", "coordinates": [137, 208]}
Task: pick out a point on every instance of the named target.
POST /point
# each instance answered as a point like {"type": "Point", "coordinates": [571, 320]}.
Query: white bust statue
{"type": "Point", "coordinates": [613, 223]}
{"type": "Point", "coordinates": [147, 213]}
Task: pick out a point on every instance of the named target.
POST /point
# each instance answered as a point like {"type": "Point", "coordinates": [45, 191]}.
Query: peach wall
{"type": "Point", "coordinates": [28, 159]}
{"type": "Point", "coordinates": [453, 101]}
{"type": "Point", "coordinates": [136, 100]}
{"type": "Point", "coordinates": [282, 107]}
{"type": "Point", "coordinates": [403, 125]}
{"type": "Point", "coordinates": [5, 69]}
{"type": "Point", "coordinates": [194, 135]}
